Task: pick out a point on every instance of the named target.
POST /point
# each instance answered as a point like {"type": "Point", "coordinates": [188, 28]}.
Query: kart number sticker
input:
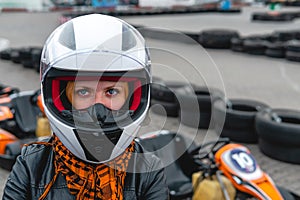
{"type": "Point", "coordinates": [243, 161]}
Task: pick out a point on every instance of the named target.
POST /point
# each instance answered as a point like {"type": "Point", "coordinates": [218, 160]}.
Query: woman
{"type": "Point", "coordinates": [95, 76]}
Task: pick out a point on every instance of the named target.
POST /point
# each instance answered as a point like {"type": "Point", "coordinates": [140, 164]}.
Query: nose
{"type": "Point", "coordinates": [99, 98]}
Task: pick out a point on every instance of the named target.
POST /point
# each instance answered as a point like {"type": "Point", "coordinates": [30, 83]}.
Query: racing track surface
{"type": "Point", "coordinates": [273, 81]}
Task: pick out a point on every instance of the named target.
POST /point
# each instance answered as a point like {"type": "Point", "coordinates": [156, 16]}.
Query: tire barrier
{"type": "Point", "coordinates": [237, 44]}
{"type": "Point", "coordinates": [164, 94]}
{"type": "Point", "coordinates": [275, 50]}
{"type": "Point", "coordinates": [287, 35]}
{"type": "Point", "coordinates": [239, 122]}
{"type": "Point", "coordinates": [293, 50]}
{"type": "Point", "coordinates": [279, 134]}
{"type": "Point", "coordinates": [270, 16]}
{"type": "Point", "coordinates": [217, 38]}
{"type": "Point", "coordinates": [26, 56]}
{"type": "Point", "coordinates": [29, 57]}
{"type": "Point", "coordinates": [190, 116]}
{"type": "Point", "coordinates": [5, 54]}
{"type": "Point", "coordinates": [214, 8]}
{"type": "Point", "coordinates": [15, 56]}
{"type": "Point", "coordinates": [280, 44]}
{"type": "Point", "coordinates": [255, 46]}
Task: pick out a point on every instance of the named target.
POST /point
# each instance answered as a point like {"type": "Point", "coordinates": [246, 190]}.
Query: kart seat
{"type": "Point", "coordinates": [25, 112]}
{"type": "Point", "coordinates": [171, 148]}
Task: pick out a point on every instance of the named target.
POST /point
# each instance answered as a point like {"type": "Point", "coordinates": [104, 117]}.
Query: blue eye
{"type": "Point", "coordinates": [112, 91]}
{"type": "Point", "coordinates": [83, 92]}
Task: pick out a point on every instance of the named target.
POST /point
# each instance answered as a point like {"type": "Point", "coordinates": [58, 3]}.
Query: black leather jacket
{"type": "Point", "coordinates": [34, 169]}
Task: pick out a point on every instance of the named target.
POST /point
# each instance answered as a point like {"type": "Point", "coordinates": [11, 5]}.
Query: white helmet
{"type": "Point", "coordinates": [95, 47]}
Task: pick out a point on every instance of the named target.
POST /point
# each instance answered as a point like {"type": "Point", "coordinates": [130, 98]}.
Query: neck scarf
{"type": "Point", "coordinates": [90, 181]}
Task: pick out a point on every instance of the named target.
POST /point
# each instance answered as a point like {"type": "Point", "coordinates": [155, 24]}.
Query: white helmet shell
{"type": "Point", "coordinates": [94, 45]}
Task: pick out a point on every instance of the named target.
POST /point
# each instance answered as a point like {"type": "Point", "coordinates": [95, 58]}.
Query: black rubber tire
{"type": "Point", "coordinates": [240, 135]}
{"type": "Point", "coordinates": [241, 114]}
{"type": "Point", "coordinates": [5, 54]}
{"type": "Point", "coordinates": [279, 139]}
{"type": "Point", "coordinates": [237, 44]}
{"type": "Point", "coordinates": [292, 56]}
{"type": "Point", "coordinates": [164, 94]}
{"type": "Point", "coordinates": [286, 35]}
{"type": "Point", "coordinates": [217, 38]}
{"type": "Point", "coordinates": [196, 120]}
{"type": "Point", "coordinates": [27, 64]}
{"type": "Point", "coordinates": [194, 36]}
{"type": "Point", "coordinates": [272, 17]}
{"type": "Point", "coordinates": [36, 58]}
{"type": "Point", "coordinates": [165, 91]}
{"type": "Point", "coordinates": [293, 45]}
{"type": "Point", "coordinates": [15, 56]}
{"type": "Point", "coordinates": [254, 47]}
{"type": "Point", "coordinates": [275, 50]}
{"type": "Point", "coordinates": [204, 96]}
{"type": "Point", "coordinates": [293, 50]}
{"type": "Point", "coordinates": [25, 54]}
{"type": "Point", "coordinates": [170, 108]}
{"type": "Point", "coordinates": [239, 124]}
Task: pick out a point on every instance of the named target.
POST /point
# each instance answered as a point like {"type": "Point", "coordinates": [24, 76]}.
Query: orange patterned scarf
{"type": "Point", "coordinates": [88, 181]}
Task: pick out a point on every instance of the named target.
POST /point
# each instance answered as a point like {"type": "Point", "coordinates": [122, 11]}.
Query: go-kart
{"type": "Point", "coordinates": [215, 170]}
{"type": "Point", "coordinates": [20, 115]}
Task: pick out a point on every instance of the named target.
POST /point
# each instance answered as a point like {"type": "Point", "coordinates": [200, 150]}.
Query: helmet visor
{"type": "Point", "coordinates": [93, 100]}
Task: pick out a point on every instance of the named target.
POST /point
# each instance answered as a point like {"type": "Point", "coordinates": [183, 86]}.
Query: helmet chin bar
{"type": "Point", "coordinates": [98, 146]}
{"type": "Point", "coordinates": [98, 143]}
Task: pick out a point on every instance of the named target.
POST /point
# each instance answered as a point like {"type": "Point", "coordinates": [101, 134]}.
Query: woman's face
{"type": "Point", "coordinates": [113, 95]}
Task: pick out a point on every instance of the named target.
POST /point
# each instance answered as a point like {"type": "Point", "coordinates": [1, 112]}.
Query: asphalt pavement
{"type": "Point", "coordinates": [272, 81]}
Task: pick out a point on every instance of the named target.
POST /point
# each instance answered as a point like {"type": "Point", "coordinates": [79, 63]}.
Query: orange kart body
{"type": "Point", "coordinates": [237, 164]}
{"type": "Point", "coordinates": [6, 138]}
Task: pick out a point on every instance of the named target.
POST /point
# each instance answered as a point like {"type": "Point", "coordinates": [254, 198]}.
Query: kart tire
{"type": "Point", "coordinates": [254, 47]}
{"type": "Point", "coordinates": [202, 121]}
{"type": "Point", "coordinates": [15, 56]}
{"type": "Point", "coordinates": [284, 36]}
{"type": "Point", "coordinates": [217, 38]}
{"type": "Point", "coordinates": [5, 54]}
{"type": "Point", "coordinates": [165, 91]}
{"type": "Point", "coordinates": [293, 50]}
{"type": "Point", "coordinates": [27, 63]}
{"type": "Point", "coordinates": [269, 17]}
{"type": "Point", "coordinates": [275, 50]}
{"type": "Point", "coordinates": [169, 108]}
{"type": "Point", "coordinates": [194, 36]}
{"type": "Point", "coordinates": [293, 45]}
{"type": "Point", "coordinates": [239, 124]}
{"type": "Point", "coordinates": [292, 56]}
{"type": "Point", "coordinates": [279, 134]}
{"type": "Point", "coordinates": [242, 136]}
{"type": "Point", "coordinates": [237, 44]}
{"type": "Point", "coordinates": [205, 97]}
{"type": "Point", "coordinates": [35, 58]}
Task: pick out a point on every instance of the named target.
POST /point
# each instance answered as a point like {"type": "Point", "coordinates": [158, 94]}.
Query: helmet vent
{"type": "Point", "coordinates": [128, 40]}
{"type": "Point", "coordinates": [67, 37]}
